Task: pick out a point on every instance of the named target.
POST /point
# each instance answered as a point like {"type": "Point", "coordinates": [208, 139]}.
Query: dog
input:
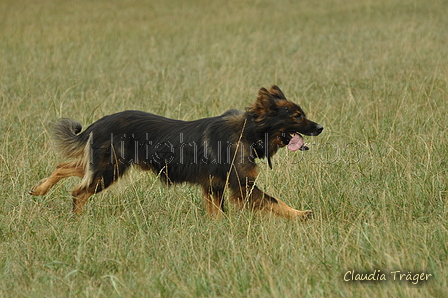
{"type": "Point", "coordinates": [217, 153]}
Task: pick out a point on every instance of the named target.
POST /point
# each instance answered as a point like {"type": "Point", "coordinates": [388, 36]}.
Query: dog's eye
{"type": "Point", "coordinates": [298, 116]}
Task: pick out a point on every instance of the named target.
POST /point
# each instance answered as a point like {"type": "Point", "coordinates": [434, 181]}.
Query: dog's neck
{"type": "Point", "coordinates": [260, 140]}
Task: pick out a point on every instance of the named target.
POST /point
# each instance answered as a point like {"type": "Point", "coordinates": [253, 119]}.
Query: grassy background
{"type": "Point", "coordinates": [373, 73]}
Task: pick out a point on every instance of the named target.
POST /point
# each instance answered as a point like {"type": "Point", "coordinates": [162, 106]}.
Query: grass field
{"type": "Point", "coordinates": [373, 73]}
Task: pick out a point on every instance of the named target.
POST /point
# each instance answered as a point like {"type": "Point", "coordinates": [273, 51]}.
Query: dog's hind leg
{"type": "Point", "coordinates": [88, 187]}
{"type": "Point", "coordinates": [62, 171]}
{"type": "Point", "coordinates": [80, 197]}
{"type": "Point", "coordinates": [96, 181]}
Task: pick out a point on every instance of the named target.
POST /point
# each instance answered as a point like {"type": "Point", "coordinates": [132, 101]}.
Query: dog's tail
{"type": "Point", "coordinates": [66, 139]}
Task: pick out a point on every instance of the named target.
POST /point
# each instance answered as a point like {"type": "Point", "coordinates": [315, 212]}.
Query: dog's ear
{"type": "Point", "coordinates": [265, 102]}
{"type": "Point", "coordinates": [276, 92]}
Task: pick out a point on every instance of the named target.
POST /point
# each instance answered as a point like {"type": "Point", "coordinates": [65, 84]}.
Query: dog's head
{"type": "Point", "coordinates": [283, 120]}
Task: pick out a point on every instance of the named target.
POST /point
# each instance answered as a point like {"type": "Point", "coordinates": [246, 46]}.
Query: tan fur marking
{"type": "Point", "coordinates": [80, 198]}
{"type": "Point", "coordinates": [285, 103]}
{"type": "Point", "coordinates": [81, 194]}
{"type": "Point", "coordinates": [213, 204]}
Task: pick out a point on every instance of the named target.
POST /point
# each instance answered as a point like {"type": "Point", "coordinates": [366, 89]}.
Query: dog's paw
{"type": "Point", "coordinates": [305, 215]}
{"type": "Point", "coordinates": [39, 190]}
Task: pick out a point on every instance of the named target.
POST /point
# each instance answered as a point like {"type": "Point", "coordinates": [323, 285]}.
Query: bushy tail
{"type": "Point", "coordinates": [66, 139]}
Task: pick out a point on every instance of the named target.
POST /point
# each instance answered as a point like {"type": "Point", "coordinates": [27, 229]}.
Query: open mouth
{"type": "Point", "coordinates": [296, 142]}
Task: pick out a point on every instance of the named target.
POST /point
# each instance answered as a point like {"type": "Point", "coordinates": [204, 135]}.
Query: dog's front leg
{"type": "Point", "coordinates": [254, 198]}
{"type": "Point", "coordinates": [214, 201]}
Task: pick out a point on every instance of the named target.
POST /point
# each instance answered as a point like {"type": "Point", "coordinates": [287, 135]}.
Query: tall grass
{"type": "Point", "coordinates": [373, 73]}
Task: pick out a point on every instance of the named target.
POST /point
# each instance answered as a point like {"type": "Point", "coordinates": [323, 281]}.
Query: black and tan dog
{"type": "Point", "coordinates": [216, 152]}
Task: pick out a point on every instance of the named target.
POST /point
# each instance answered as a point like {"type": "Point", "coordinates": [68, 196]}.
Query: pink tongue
{"type": "Point", "coordinates": [296, 142]}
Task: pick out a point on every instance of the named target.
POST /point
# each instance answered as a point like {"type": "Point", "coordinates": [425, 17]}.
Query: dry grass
{"type": "Point", "coordinates": [374, 73]}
